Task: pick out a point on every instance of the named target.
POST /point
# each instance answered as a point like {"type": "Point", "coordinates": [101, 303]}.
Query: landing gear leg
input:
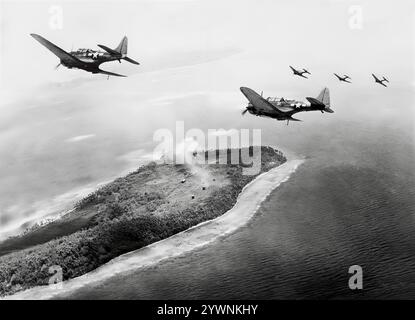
{"type": "Point", "coordinates": [288, 121]}
{"type": "Point", "coordinates": [108, 77]}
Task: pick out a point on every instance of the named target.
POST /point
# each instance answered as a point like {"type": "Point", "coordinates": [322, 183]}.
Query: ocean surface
{"type": "Point", "coordinates": [350, 203]}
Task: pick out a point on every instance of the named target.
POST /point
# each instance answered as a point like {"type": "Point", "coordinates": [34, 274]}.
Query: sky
{"type": "Point", "coordinates": [357, 37]}
{"type": "Point", "coordinates": [64, 130]}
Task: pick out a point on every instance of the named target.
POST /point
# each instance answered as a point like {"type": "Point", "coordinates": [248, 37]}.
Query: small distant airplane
{"type": "Point", "coordinates": [380, 81]}
{"type": "Point", "coordinates": [283, 109]}
{"type": "Point", "coordinates": [88, 59]}
{"type": "Point", "coordinates": [300, 72]}
{"type": "Point", "coordinates": [344, 78]}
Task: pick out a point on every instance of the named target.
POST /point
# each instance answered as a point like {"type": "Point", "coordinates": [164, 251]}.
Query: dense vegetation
{"type": "Point", "coordinates": [123, 224]}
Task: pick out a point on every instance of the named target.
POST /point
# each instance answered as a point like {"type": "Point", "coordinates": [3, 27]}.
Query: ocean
{"type": "Point", "coordinates": [350, 203]}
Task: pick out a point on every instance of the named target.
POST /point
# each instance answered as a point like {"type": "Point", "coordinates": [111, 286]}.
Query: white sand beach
{"type": "Point", "coordinates": [198, 236]}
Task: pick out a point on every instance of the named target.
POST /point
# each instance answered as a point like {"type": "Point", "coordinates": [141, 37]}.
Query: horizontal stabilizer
{"type": "Point", "coordinates": [315, 101]}
{"type": "Point", "coordinates": [130, 60]}
{"type": "Point", "coordinates": [109, 50]}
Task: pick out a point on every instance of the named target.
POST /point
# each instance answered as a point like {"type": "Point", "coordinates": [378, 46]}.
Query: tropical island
{"type": "Point", "coordinates": [152, 203]}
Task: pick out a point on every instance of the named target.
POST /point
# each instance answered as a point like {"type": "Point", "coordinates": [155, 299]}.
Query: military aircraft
{"type": "Point", "coordinates": [300, 72]}
{"type": "Point", "coordinates": [283, 109]}
{"type": "Point", "coordinates": [344, 78]}
{"type": "Point", "coordinates": [380, 81]}
{"type": "Point", "coordinates": [88, 59]}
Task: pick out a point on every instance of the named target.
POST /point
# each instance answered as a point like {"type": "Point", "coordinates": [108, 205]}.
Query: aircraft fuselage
{"type": "Point", "coordinates": [289, 107]}
{"type": "Point", "coordinates": [92, 58]}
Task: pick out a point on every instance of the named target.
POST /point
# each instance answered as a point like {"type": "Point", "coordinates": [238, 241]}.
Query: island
{"type": "Point", "coordinates": [154, 202]}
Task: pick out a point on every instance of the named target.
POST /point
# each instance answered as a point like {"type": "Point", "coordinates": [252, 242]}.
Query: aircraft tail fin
{"type": "Point", "coordinates": [120, 51]}
{"type": "Point", "coordinates": [122, 47]}
{"type": "Point", "coordinates": [324, 97]}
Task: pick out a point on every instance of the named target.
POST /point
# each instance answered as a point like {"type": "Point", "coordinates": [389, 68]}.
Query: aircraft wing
{"type": "Point", "coordinates": [65, 57]}
{"type": "Point", "coordinates": [110, 73]}
{"type": "Point", "coordinates": [259, 102]}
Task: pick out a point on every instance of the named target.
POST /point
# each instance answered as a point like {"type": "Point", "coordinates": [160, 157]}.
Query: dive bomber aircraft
{"type": "Point", "coordinates": [283, 109]}
{"type": "Point", "coordinates": [380, 81]}
{"type": "Point", "coordinates": [88, 59]}
{"type": "Point", "coordinates": [345, 78]}
{"type": "Point", "coordinates": [299, 72]}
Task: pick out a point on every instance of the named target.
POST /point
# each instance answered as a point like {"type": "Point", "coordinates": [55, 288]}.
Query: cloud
{"type": "Point", "coordinates": [80, 138]}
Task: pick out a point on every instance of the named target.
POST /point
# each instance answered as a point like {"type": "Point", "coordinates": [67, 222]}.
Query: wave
{"type": "Point", "coordinates": [247, 204]}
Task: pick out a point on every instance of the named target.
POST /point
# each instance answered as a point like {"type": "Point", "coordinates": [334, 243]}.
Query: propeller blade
{"type": "Point", "coordinates": [245, 111]}
{"type": "Point", "coordinates": [58, 66]}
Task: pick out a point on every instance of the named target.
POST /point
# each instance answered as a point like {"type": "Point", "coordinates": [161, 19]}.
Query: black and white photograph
{"type": "Point", "coordinates": [201, 150]}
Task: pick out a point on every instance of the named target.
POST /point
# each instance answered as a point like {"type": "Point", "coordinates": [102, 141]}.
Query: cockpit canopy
{"type": "Point", "coordinates": [274, 99]}
{"type": "Point", "coordinates": [284, 102]}
{"type": "Point", "coordinates": [82, 50]}
{"type": "Point", "coordinates": [277, 99]}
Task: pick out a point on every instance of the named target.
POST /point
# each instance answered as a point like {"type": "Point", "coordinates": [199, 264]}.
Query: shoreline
{"type": "Point", "coordinates": [63, 207]}
{"type": "Point", "coordinates": [198, 236]}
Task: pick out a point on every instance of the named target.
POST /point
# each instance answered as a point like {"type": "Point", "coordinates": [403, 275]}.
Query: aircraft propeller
{"type": "Point", "coordinates": [245, 111]}
{"type": "Point", "coordinates": [57, 66]}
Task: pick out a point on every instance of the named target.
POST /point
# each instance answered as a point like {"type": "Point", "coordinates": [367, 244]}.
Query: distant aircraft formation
{"type": "Point", "coordinates": [344, 78]}
{"type": "Point", "coordinates": [88, 59]}
{"type": "Point", "coordinates": [283, 109]}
